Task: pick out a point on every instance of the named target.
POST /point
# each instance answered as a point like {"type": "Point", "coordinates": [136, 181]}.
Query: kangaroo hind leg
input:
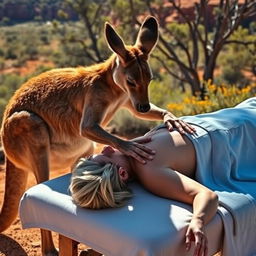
{"type": "Point", "coordinates": [26, 142]}
{"type": "Point", "coordinates": [18, 137]}
{"type": "Point", "coordinates": [15, 185]}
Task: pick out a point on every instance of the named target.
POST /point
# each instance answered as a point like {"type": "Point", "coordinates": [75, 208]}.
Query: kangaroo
{"type": "Point", "coordinates": [53, 118]}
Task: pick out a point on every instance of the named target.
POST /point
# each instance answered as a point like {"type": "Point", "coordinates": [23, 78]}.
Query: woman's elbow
{"type": "Point", "coordinates": [213, 197]}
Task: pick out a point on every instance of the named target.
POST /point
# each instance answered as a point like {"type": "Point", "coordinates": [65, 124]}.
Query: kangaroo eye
{"type": "Point", "coordinates": [131, 83]}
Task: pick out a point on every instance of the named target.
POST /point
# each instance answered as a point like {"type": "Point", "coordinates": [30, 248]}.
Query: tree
{"type": "Point", "coordinates": [228, 15]}
{"type": "Point", "coordinates": [126, 12]}
{"type": "Point", "coordinates": [238, 59]}
{"type": "Point", "coordinates": [93, 14]}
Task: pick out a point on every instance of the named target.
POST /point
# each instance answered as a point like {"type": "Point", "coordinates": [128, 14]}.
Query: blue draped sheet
{"type": "Point", "coordinates": [225, 144]}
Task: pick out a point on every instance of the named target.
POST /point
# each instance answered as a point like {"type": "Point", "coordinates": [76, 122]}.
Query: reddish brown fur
{"type": "Point", "coordinates": [70, 83]}
{"type": "Point", "coordinates": [48, 121]}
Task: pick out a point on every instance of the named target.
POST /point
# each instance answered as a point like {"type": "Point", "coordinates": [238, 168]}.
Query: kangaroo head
{"type": "Point", "coordinates": [131, 71]}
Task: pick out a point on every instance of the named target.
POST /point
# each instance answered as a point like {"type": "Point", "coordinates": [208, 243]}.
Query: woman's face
{"type": "Point", "coordinates": [111, 155]}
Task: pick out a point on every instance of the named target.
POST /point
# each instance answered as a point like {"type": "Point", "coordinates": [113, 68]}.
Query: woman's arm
{"type": "Point", "coordinates": [174, 185]}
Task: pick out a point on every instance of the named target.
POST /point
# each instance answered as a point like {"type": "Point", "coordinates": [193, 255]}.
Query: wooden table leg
{"type": "Point", "coordinates": [67, 246]}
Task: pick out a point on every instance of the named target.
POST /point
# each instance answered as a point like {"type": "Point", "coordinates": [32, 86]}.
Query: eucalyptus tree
{"type": "Point", "coordinates": [204, 40]}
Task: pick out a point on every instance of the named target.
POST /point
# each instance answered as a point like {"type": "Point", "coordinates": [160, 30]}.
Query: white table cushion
{"type": "Point", "coordinates": [148, 225]}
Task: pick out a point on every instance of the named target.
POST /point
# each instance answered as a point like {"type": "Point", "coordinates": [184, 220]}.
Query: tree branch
{"type": "Point", "coordinates": [245, 43]}
{"type": "Point", "coordinates": [173, 54]}
{"type": "Point", "coordinates": [168, 69]}
{"type": "Point", "coordinates": [92, 36]}
{"type": "Point", "coordinates": [242, 12]}
{"type": "Point", "coordinates": [193, 31]}
{"type": "Point", "coordinates": [182, 46]}
{"type": "Point", "coordinates": [134, 19]}
{"type": "Point", "coordinates": [87, 53]}
{"type": "Point", "coordinates": [97, 12]}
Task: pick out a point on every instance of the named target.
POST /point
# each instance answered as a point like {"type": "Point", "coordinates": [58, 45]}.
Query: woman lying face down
{"type": "Point", "coordinates": [215, 153]}
{"type": "Point", "coordinates": [101, 180]}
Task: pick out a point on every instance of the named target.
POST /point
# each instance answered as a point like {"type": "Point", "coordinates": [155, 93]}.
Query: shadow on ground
{"type": "Point", "coordinates": [9, 247]}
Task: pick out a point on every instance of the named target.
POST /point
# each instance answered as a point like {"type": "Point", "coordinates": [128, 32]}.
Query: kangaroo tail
{"type": "Point", "coordinates": [15, 185]}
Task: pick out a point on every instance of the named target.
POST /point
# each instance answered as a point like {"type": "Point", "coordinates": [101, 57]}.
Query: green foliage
{"type": "Point", "coordinates": [233, 75]}
{"type": "Point", "coordinates": [70, 55]}
{"type": "Point", "coordinates": [122, 10]}
{"type": "Point", "coordinates": [218, 97]}
{"type": "Point", "coordinates": [62, 15]}
{"type": "Point", "coordinates": [68, 43]}
{"type": "Point", "coordinates": [160, 91]}
{"type": "Point", "coordinates": [2, 60]}
{"type": "Point", "coordinates": [252, 27]}
{"type": "Point", "coordinates": [33, 10]}
{"type": "Point", "coordinates": [9, 83]}
{"type": "Point", "coordinates": [3, 103]}
{"type": "Point", "coordinates": [179, 31]}
{"type": "Point", "coordinates": [4, 21]}
{"type": "Point", "coordinates": [238, 58]}
{"type": "Point", "coordinates": [125, 124]}
{"type": "Point", "coordinates": [24, 46]}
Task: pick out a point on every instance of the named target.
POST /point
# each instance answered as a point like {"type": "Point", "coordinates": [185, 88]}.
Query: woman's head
{"type": "Point", "coordinates": [98, 185]}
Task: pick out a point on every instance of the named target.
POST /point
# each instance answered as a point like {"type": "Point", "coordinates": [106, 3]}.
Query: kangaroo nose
{"type": "Point", "coordinates": [143, 108]}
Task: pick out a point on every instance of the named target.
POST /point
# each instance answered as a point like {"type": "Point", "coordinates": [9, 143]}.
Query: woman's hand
{"type": "Point", "coordinates": [136, 150]}
{"type": "Point", "coordinates": [171, 121]}
{"type": "Point", "coordinates": [195, 233]}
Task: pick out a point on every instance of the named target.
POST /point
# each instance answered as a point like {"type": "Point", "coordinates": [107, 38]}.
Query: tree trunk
{"type": "Point", "coordinates": [195, 87]}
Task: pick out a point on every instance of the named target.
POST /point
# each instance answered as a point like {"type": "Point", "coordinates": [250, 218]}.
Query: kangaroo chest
{"type": "Point", "coordinates": [111, 109]}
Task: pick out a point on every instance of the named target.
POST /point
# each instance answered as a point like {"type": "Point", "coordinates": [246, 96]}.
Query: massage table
{"type": "Point", "coordinates": [147, 226]}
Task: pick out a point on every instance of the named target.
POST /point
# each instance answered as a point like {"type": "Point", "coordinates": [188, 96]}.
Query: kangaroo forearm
{"type": "Point", "coordinates": [155, 113]}
{"type": "Point", "coordinates": [205, 206]}
{"type": "Point", "coordinates": [99, 135]}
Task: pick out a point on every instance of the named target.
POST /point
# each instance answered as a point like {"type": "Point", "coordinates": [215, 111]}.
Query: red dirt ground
{"type": "Point", "coordinates": [28, 68]}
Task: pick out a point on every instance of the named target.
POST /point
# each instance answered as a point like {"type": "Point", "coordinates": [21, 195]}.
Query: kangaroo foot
{"type": "Point", "coordinates": [90, 252]}
{"type": "Point", "coordinates": [51, 253]}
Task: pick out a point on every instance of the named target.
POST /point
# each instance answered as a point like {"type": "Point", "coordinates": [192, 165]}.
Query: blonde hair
{"type": "Point", "coordinates": [96, 186]}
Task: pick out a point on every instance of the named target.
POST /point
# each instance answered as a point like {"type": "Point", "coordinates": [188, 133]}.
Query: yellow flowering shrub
{"type": "Point", "coordinates": [217, 97]}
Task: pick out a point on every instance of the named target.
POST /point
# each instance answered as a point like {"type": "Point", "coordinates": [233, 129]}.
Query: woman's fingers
{"type": "Point", "coordinates": [200, 241]}
{"type": "Point", "coordinates": [188, 240]}
{"type": "Point", "coordinates": [200, 244]}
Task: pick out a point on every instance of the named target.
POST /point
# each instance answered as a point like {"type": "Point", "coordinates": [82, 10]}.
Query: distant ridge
{"type": "Point", "coordinates": [15, 11]}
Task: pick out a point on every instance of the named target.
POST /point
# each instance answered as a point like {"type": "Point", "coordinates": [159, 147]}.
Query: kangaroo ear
{"type": "Point", "coordinates": [115, 42]}
{"type": "Point", "coordinates": [148, 35]}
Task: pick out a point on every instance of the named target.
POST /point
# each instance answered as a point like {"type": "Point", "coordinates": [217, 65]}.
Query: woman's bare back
{"type": "Point", "coordinates": [173, 150]}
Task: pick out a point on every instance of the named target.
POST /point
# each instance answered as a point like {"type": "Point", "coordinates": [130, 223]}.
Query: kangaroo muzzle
{"type": "Point", "coordinates": [143, 108]}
